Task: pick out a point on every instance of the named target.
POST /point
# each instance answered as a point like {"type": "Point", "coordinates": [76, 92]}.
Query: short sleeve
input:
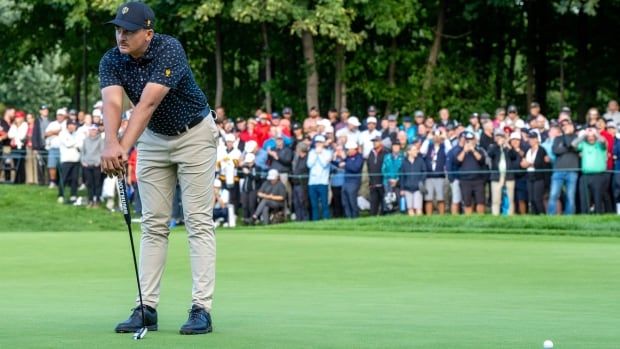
{"type": "Point", "coordinates": [108, 72]}
{"type": "Point", "coordinates": [171, 65]}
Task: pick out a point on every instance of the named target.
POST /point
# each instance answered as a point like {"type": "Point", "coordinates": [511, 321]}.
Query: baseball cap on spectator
{"type": "Point", "coordinates": [69, 122]}
{"type": "Point", "coordinates": [250, 146]}
{"type": "Point", "coordinates": [418, 114]}
{"type": "Point", "coordinates": [323, 122]}
{"type": "Point", "coordinates": [395, 142]}
{"type": "Point", "coordinates": [350, 145]}
{"type": "Point", "coordinates": [72, 112]}
{"type": "Point", "coordinates": [533, 134]}
{"type": "Point", "coordinates": [353, 121]}
{"type": "Point", "coordinates": [217, 183]}
{"type": "Point", "coordinates": [133, 16]}
{"type": "Point", "coordinates": [372, 109]}
{"type": "Point", "coordinates": [485, 116]}
{"type": "Point", "coordinates": [515, 135]}
{"type": "Point", "coordinates": [93, 127]}
{"type": "Point", "coordinates": [611, 124]}
{"type": "Point", "coordinates": [534, 105]}
{"type": "Point", "coordinates": [377, 139]}
{"type": "Point", "coordinates": [229, 137]}
{"type": "Point", "coordinates": [249, 157]}
{"type": "Point", "coordinates": [519, 124]}
{"type": "Point", "coordinates": [511, 109]}
{"type": "Point", "coordinates": [279, 135]}
{"type": "Point", "coordinates": [344, 110]}
{"type": "Point", "coordinates": [392, 117]}
{"type": "Point", "coordinates": [287, 110]}
{"type": "Point", "coordinates": [371, 119]}
{"type": "Point", "coordinates": [565, 110]}
{"type": "Point", "coordinates": [499, 132]}
{"type": "Point", "coordinates": [272, 174]}
{"type": "Point", "coordinates": [296, 126]}
{"type": "Point", "coordinates": [97, 112]}
{"type": "Point", "coordinates": [61, 111]}
{"type": "Point", "coordinates": [329, 129]}
{"type": "Point", "coordinates": [20, 114]}
{"type": "Point", "coordinates": [239, 120]}
{"type": "Point", "coordinates": [275, 115]}
{"type": "Point", "coordinates": [406, 118]}
{"type": "Point", "coordinates": [474, 115]}
{"type": "Point", "coordinates": [469, 135]}
{"type": "Point", "coordinates": [437, 133]}
{"type": "Point", "coordinates": [319, 139]}
{"type": "Point", "coordinates": [43, 106]}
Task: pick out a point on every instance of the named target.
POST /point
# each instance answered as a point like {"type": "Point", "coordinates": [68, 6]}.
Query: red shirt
{"type": "Point", "coordinates": [132, 161]}
{"type": "Point", "coordinates": [610, 148]}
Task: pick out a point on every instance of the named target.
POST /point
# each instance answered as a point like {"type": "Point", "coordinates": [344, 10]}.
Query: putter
{"type": "Point", "coordinates": [122, 193]}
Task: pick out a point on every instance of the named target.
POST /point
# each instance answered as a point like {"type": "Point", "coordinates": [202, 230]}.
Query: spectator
{"type": "Point", "coordinates": [344, 117]}
{"type": "Point", "coordinates": [513, 117]}
{"type": "Point", "coordinates": [5, 126]}
{"type": "Point", "coordinates": [52, 142]}
{"type": "Point", "coordinates": [319, 160]}
{"type": "Point", "coordinates": [474, 125]}
{"type": "Point", "coordinates": [281, 159]}
{"type": "Point", "coordinates": [371, 111]}
{"type": "Point", "coordinates": [337, 179]}
{"type": "Point", "coordinates": [616, 177]}
{"type": "Point", "coordinates": [401, 137]}
{"type": "Point", "coordinates": [70, 144]}
{"type": "Point", "coordinates": [311, 122]}
{"type": "Point", "coordinates": [444, 118]}
{"type": "Point", "coordinates": [391, 131]}
{"type": "Point", "coordinates": [434, 151]}
{"type": "Point", "coordinates": [249, 134]}
{"type": "Point", "coordinates": [486, 137]}
{"type": "Point", "coordinates": [351, 132]}
{"type": "Point", "coordinates": [375, 177]}
{"type": "Point", "coordinates": [221, 198]}
{"type": "Point", "coordinates": [299, 181]}
{"type": "Point", "coordinates": [554, 132]}
{"type": "Point", "coordinates": [536, 162]}
{"type": "Point", "coordinates": [332, 116]}
{"type": "Point", "coordinates": [352, 165]}
{"type": "Point", "coordinates": [430, 124]}
{"type": "Point", "coordinates": [593, 149]}
{"type": "Point", "coordinates": [452, 168]}
{"type": "Point", "coordinates": [31, 156]}
{"type": "Point", "coordinates": [535, 110]}
{"type": "Point", "coordinates": [503, 163]}
{"type": "Point", "coordinates": [419, 117]}
{"type": "Point", "coordinates": [412, 176]}
{"type": "Point", "coordinates": [18, 132]}
{"type": "Point", "coordinates": [410, 130]}
{"type": "Point", "coordinates": [297, 135]}
{"type": "Point", "coordinates": [500, 117]}
{"type": "Point", "coordinates": [91, 166]}
{"type": "Point", "coordinates": [565, 167]}
{"type": "Point", "coordinates": [38, 143]}
{"type": "Point", "coordinates": [592, 117]}
{"type": "Point", "coordinates": [249, 184]}
{"type": "Point", "coordinates": [366, 138]}
{"type": "Point", "coordinates": [228, 159]}
{"type": "Point", "coordinates": [521, 193]}
{"type": "Point", "coordinates": [391, 170]}
{"type": "Point", "coordinates": [272, 194]}
{"type": "Point", "coordinates": [471, 160]}
{"type": "Point", "coordinates": [612, 114]}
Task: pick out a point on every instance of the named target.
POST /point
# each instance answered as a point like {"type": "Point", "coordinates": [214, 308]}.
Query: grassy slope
{"type": "Point", "coordinates": [337, 284]}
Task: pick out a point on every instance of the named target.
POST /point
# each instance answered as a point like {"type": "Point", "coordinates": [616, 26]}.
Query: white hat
{"type": "Point", "coordinates": [515, 135]}
{"type": "Point", "coordinates": [329, 129]}
{"type": "Point", "coordinates": [217, 183]}
{"type": "Point", "coordinates": [371, 119]}
{"type": "Point", "coordinates": [272, 174]}
{"type": "Point", "coordinates": [324, 122]}
{"type": "Point", "coordinates": [250, 146]}
{"type": "Point", "coordinates": [62, 111]}
{"type": "Point", "coordinates": [319, 138]}
{"type": "Point", "coordinates": [249, 157]}
{"type": "Point", "coordinates": [350, 145]}
{"type": "Point", "coordinates": [354, 121]}
{"type": "Point", "coordinates": [98, 105]}
{"type": "Point", "coordinates": [519, 124]}
{"type": "Point", "coordinates": [229, 137]}
{"type": "Point", "coordinates": [97, 112]}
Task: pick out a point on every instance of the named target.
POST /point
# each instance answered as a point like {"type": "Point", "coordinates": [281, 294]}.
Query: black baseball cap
{"type": "Point", "coordinates": [134, 16]}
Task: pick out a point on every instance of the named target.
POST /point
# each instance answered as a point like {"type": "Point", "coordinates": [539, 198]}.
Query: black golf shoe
{"type": "Point", "coordinates": [135, 323]}
{"type": "Point", "coordinates": [199, 322]}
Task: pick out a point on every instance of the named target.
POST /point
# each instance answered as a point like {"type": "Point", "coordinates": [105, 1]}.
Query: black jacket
{"type": "Point", "coordinates": [540, 166]}
{"type": "Point", "coordinates": [412, 173]}
{"type": "Point", "coordinates": [299, 172]}
{"type": "Point", "coordinates": [284, 161]}
{"type": "Point", "coordinates": [512, 161]}
{"type": "Point", "coordinates": [567, 157]}
{"type": "Point", "coordinates": [374, 162]}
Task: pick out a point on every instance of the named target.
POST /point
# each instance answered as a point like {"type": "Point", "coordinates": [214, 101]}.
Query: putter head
{"type": "Point", "coordinates": [140, 333]}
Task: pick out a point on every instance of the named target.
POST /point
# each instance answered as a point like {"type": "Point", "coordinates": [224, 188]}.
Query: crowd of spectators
{"type": "Point", "coordinates": [277, 166]}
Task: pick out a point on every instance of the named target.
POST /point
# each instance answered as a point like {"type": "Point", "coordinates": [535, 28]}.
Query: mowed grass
{"type": "Point", "coordinates": [391, 282]}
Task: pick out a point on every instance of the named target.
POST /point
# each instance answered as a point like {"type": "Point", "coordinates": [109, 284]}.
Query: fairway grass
{"type": "Point", "coordinates": [296, 286]}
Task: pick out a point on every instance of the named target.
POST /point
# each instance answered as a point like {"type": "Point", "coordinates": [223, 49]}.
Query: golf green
{"type": "Point", "coordinates": [298, 288]}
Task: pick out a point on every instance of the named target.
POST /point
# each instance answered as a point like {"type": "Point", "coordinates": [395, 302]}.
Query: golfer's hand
{"type": "Point", "coordinates": [113, 159]}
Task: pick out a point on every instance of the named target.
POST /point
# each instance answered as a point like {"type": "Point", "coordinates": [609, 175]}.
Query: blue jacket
{"type": "Point", "coordinates": [451, 164]}
{"type": "Point", "coordinates": [412, 173]}
{"type": "Point", "coordinates": [391, 167]}
{"type": "Point", "coordinates": [353, 168]}
{"type": "Point", "coordinates": [440, 165]}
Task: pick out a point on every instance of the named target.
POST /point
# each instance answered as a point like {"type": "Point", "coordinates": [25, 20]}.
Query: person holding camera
{"type": "Point", "coordinates": [471, 165]}
{"type": "Point", "coordinates": [412, 176]}
{"type": "Point", "coordinates": [593, 149]}
{"type": "Point", "coordinates": [536, 163]}
{"type": "Point", "coordinates": [503, 163]}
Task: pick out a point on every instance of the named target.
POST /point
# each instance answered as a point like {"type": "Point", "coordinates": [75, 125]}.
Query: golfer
{"type": "Point", "coordinates": [175, 135]}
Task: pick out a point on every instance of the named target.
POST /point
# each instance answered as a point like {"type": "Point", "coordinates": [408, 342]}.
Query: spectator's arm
{"type": "Point", "coordinates": [559, 146]}
{"type": "Point", "coordinates": [424, 147]}
{"type": "Point", "coordinates": [479, 155]}
{"type": "Point", "coordinates": [285, 156]}
{"type": "Point", "coordinates": [312, 158]}
{"type": "Point", "coordinates": [577, 141]}
{"type": "Point", "coordinates": [355, 165]}
{"type": "Point", "coordinates": [460, 157]}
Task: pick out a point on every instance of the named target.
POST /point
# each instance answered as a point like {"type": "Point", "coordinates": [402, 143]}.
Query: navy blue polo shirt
{"type": "Point", "coordinates": [164, 63]}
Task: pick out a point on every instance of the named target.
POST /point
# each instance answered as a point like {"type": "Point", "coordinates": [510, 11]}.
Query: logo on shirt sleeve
{"type": "Point", "coordinates": [168, 72]}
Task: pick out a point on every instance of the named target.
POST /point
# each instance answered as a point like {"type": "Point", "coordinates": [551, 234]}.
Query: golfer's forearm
{"type": "Point", "coordinates": [139, 119]}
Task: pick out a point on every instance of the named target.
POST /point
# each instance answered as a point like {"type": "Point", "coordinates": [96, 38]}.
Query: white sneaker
{"type": "Point", "coordinates": [60, 200]}
{"type": "Point", "coordinates": [52, 185]}
{"type": "Point", "coordinates": [82, 187]}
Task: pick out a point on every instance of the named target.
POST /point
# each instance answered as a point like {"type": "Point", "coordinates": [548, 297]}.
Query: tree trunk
{"type": "Point", "coordinates": [391, 77]}
{"type": "Point", "coordinates": [436, 48]}
{"type": "Point", "coordinates": [511, 72]}
{"type": "Point", "coordinates": [338, 78]}
{"type": "Point", "coordinates": [541, 67]}
{"type": "Point", "coordinates": [531, 51]}
{"type": "Point", "coordinates": [219, 73]}
{"type": "Point", "coordinates": [312, 75]}
{"type": "Point", "coordinates": [561, 73]}
{"type": "Point", "coordinates": [267, 56]}
{"type": "Point", "coordinates": [78, 90]}
{"type": "Point", "coordinates": [501, 54]}
{"type": "Point", "coordinates": [85, 70]}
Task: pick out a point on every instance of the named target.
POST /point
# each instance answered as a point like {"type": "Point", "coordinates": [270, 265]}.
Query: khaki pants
{"type": "Point", "coordinates": [190, 159]}
{"type": "Point", "coordinates": [496, 195]}
{"type": "Point", "coordinates": [31, 167]}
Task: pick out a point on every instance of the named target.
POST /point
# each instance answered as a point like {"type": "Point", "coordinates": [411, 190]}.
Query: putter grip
{"type": "Point", "coordinates": [122, 194]}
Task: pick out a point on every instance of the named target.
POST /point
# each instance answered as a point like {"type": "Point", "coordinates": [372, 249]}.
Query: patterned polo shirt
{"type": "Point", "coordinates": [164, 63]}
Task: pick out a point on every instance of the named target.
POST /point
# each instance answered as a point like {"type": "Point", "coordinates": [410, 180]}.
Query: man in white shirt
{"type": "Point", "coordinates": [70, 144]}
{"type": "Point", "coordinates": [220, 207]}
{"type": "Point", "coordinates": [612, 113]}
{"type": "Point", "coordinates": [352, 131]}
{"type": "Point", "coordinates": [52, 144]}
{"type": "Point", "coordinates": [367, 136]}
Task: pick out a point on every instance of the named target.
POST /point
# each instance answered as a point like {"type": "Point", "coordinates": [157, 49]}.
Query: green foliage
{"type": "Point", "coordinates": [37, 82]}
